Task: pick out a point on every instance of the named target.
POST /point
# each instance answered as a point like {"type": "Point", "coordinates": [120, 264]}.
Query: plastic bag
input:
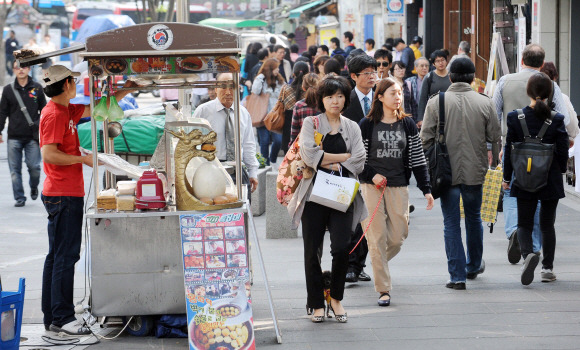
{"type": "Point", "coordinates": [115, 112]}
{"type": "Point", "coordinates": [100, 113]}
{"type": "Point", "coordinates": [171, 326]}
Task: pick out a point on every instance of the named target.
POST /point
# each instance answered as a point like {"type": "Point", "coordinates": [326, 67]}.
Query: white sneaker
{"type": "Point", "coordinates": [548, 275]}
{"type": "Point", "coordinates": [72, 328]}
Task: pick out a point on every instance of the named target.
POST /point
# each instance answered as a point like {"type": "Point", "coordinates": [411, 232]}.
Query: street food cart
{"type": "Point", "coordinates": [170, 258]}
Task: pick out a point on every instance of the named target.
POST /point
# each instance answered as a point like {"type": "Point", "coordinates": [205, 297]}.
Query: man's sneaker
{"type": "Point", "coordinates": [72, 328]}
{"type": "Point", "coordinates": [34, 193]}
{"type": "Point", "coordinates": [351, 277]}
{"type": "Point", "coordinates": [513, 251]}
{"type": "Point", "coordinates": [548, 275]}
{"type": "Point", "coordinates": [19, 204]}
{"type": "Point", "coordinates": [473, 275]}
{"type": "Point", "coordinates": [528, 269]}
{"type": "Point", "coordinates": [363, 276]}
{"type": "Point", "coordinates": [455, 285]}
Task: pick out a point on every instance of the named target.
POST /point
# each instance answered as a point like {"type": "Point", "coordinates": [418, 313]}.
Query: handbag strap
{"type": "Point", "coordinates": [545, 126]}
{"type": "Point", "coordinates": [22, 106]}
{"type": "Point", "coordinates": [522, 119]}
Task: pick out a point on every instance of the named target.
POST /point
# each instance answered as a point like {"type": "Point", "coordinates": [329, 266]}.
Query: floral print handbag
{"type": "Point", "coordinates": [292, 170]}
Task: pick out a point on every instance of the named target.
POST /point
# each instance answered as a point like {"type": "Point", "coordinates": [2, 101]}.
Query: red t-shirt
{"type": "Point", "coordinates": [58, 125]}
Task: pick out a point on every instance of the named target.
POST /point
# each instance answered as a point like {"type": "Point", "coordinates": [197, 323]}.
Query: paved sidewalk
{"type": "Point", "coordinates": [496, 311]}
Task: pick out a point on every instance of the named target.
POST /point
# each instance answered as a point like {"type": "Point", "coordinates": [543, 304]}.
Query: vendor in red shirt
{"type": "Point", "coordinates": [63, 197]}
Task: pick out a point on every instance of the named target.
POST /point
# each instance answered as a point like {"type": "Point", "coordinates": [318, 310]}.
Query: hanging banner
{"type": "Point", "coordinates": [395, 11]}
{"type": "Point", "coordinates": [350, 20]}
{"type": "Point", "coordinates": [217, 285]}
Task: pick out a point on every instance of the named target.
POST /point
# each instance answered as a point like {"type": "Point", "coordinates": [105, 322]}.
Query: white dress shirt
{"type": "Point", "coordinates": [361, 96]}
{"type": "Point", "coordinates": [215, 113]}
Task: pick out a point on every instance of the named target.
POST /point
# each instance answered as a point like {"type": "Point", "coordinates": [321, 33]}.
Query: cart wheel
{"type": "Point", "coordinates": [140, 326]}
{"type": "Point", "coordinates": [155, 93]}
{"type": "Point", "coordinates": [135, 94]}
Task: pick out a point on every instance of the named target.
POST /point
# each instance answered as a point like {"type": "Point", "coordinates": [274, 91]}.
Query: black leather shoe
{"type": "Point", "coordinates": [363, 276]}
{"type": "Point", "coordinates": [411, 208]}
{"type": "Point", "coordinates": [384, 302]}
{"type": "Point", "coordinates": [19, 204]}
{"type": "Point", "coordinates": [351, 277]}
{"type": "Point", "coordinates": [455, 285]}
{"type": "Point", "coordinates": [473, 275]}
{"type": "Point", "coordinates": [34, 193]}
{"type": "Point", "coordinates": [513, 251]}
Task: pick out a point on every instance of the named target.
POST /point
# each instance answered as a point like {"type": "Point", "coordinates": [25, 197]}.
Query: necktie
{"type": "Point", "coordinates": [230, 139]}
{"type": "Point", "coordinates": [366, 105]}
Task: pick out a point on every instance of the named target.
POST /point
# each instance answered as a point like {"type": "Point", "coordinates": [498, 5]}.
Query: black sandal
{"type": "Point", "coordinates": [384, 302]}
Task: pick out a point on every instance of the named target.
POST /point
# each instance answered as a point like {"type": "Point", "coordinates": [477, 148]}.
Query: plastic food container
{"type": "Point", "coordinates": [126, 203]}
{"type": "Point", "coordinates": [126, 188]}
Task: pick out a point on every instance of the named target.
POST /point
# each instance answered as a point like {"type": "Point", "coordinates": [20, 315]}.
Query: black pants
{"type": "Point", "coordinates": [358, 258]}
{"type": "Point", "coordinates": [526, 211]}
{"type": "Point", "coordinates": [286, 130]}
{"type": "Point", "coordinates": [315, 219]}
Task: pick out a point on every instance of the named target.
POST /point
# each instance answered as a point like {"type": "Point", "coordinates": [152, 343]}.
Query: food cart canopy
{"type": "Point", "coordinates": [298, 11]}
{"type": "Point", "coordinates": [232, 23]}
{"type": "Point", "coordinates": [101, 23]}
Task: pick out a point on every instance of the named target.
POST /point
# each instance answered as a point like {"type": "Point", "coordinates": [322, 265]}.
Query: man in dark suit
{"type": "Point", "coordinates": [363, 70]}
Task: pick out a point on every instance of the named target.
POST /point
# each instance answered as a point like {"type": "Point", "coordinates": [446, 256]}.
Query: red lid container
{"type": "Point", "coordinates": [149, 191]}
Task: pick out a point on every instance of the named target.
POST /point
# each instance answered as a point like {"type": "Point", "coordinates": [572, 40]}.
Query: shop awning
{"type": "Point", "coordinates": [232, 23]}
{"type": "Point", "coordinates": [298, 11]}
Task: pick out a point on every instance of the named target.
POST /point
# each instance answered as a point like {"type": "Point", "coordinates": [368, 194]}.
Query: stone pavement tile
{"type": "Point", "coordinates": [505, 319]}
{"type": "Point", "coordinates": [461, 296]}
{"type": "Point", "coordinates": [539, 342]}
{"type": "Point", "coordinates": [449, 332]}
{"type": "Point", "coordinates": [437, 344]}
{"type": "Point", "coordinates": [535, 306]}
{"type": "Point", "coordinates": [396, 310]}
{"type": "Point", "coordinates": [569, 329]}
{"type": "Point", "coordinates": [325, 332]}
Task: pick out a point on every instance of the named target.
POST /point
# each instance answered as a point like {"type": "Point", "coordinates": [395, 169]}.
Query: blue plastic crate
{"type": "Point", "coordinates": [13, 301]}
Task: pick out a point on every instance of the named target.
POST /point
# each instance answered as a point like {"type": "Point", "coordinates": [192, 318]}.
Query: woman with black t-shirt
{"type": "Point", "coordinates": [393, 153]}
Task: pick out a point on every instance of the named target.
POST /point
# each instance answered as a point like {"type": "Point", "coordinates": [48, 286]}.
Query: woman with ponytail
{"type": "Point", "coordinates": [290, 94]}
{"type": "Point", "coordinates": [306, 107]}
{"type": "Point", "coordinates": [538, 89]}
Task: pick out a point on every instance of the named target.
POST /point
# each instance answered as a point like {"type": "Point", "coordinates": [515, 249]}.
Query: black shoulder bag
{"type": "Point", "coordinates": [438, 158]}
{"type": "Point", "coordinates": [31, 124]}
{"type": "Point", "coordinates": [531, 159]}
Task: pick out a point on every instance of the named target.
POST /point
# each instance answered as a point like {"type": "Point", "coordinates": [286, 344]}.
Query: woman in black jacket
{"type": "Point", "coordinates": [394, 152]}
{"type": "Point", "coordinates": [539, 89]}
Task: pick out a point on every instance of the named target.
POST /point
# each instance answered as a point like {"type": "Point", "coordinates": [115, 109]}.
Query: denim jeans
{"type": "Point", "coordinates": [510, 215]}
{"type": "Point", "coordinates": [457, 263]}
{"type": "Point", "coordinates": [264, 135]}
{"type": "Point", "coordinates": [65, 222]}
{"type": "Point", "coordinates": [32, 159]}
{"type": "Point", "coordinates": [10, 64]}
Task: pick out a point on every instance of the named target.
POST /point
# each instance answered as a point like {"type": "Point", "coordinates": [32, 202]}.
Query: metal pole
{"type": "Point", "coordinates": [106, 150]}
{"type": "Point", "coordinates": [182, 8]}
{"type": "Point", "coordinates": [94, 133]}
{"type": "Point", "coordinates": [238, 138]}
{"type": "Point", "coordinates": [264, 274]}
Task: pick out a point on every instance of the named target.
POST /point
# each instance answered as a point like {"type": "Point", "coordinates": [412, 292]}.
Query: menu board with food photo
{"type": "Point", "coordinates": [164, 65]}
{"type": "Point", "coordinates": [217, 282]}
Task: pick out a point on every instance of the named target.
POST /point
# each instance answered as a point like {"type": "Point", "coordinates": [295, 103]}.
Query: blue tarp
{"type": "Point", "coordinates": [101, 23]}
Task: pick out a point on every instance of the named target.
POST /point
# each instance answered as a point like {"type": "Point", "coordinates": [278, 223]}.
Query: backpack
{"type": "Point", "coordinates": [438, 158]}
{"type": "Point", "coordinates": [292, 170]}
{"type": "Point", "coordinates": [531, 159]}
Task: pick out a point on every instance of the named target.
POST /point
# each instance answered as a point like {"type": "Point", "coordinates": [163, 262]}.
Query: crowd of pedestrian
{"type": "Point", "coordinates": [395, 95]}
{"type": "Point", "coordinates": [368, 115]}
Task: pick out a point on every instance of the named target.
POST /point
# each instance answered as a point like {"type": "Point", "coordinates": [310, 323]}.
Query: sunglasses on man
{"type": "Point", "coordinates": [384, 64]}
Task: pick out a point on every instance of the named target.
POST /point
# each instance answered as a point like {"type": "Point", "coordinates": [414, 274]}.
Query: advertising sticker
{"type": "Point", "coordinates": [217, 285]}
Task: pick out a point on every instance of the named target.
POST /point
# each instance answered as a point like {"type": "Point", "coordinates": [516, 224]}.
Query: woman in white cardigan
{"type": "Point", "coordinates": [342, 151]}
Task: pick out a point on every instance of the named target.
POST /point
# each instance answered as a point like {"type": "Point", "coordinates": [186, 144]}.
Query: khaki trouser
{"type": "Point", "coordinates": [387, 231]}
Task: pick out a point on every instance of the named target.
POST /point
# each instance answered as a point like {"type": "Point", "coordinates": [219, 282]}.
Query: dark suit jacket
{"type": "Point", "coordinates": [354, 111]}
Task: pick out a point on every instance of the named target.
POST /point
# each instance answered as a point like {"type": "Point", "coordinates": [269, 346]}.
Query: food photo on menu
{"type": "Point", "coordinates": [229, 274]}
{"type": "Point", "coordinates": [237, 260]}
{"type": "Point", "coordinates": [214, 247]}
{"type": "Point", "coordinates": [212, 290]}
{"type": "Point", "coordinates": [213, 233]}
{"type": "Point", "coordinates": [190, 261]}
{"type": "Point", "coordinates": [213, 275]}
{"type": "Point", "coordinates": [193, 248]}
{"type": "Point", "coordinates": [191, 233]}
{"type": "Point", "coordinates": [199, 290]}
{"type": "Point", "coordinates": [234, 232]}
{"type": "Point", "coordinates": [238, 246]}
{"type": "Point", "coordinates": [215, 261]}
